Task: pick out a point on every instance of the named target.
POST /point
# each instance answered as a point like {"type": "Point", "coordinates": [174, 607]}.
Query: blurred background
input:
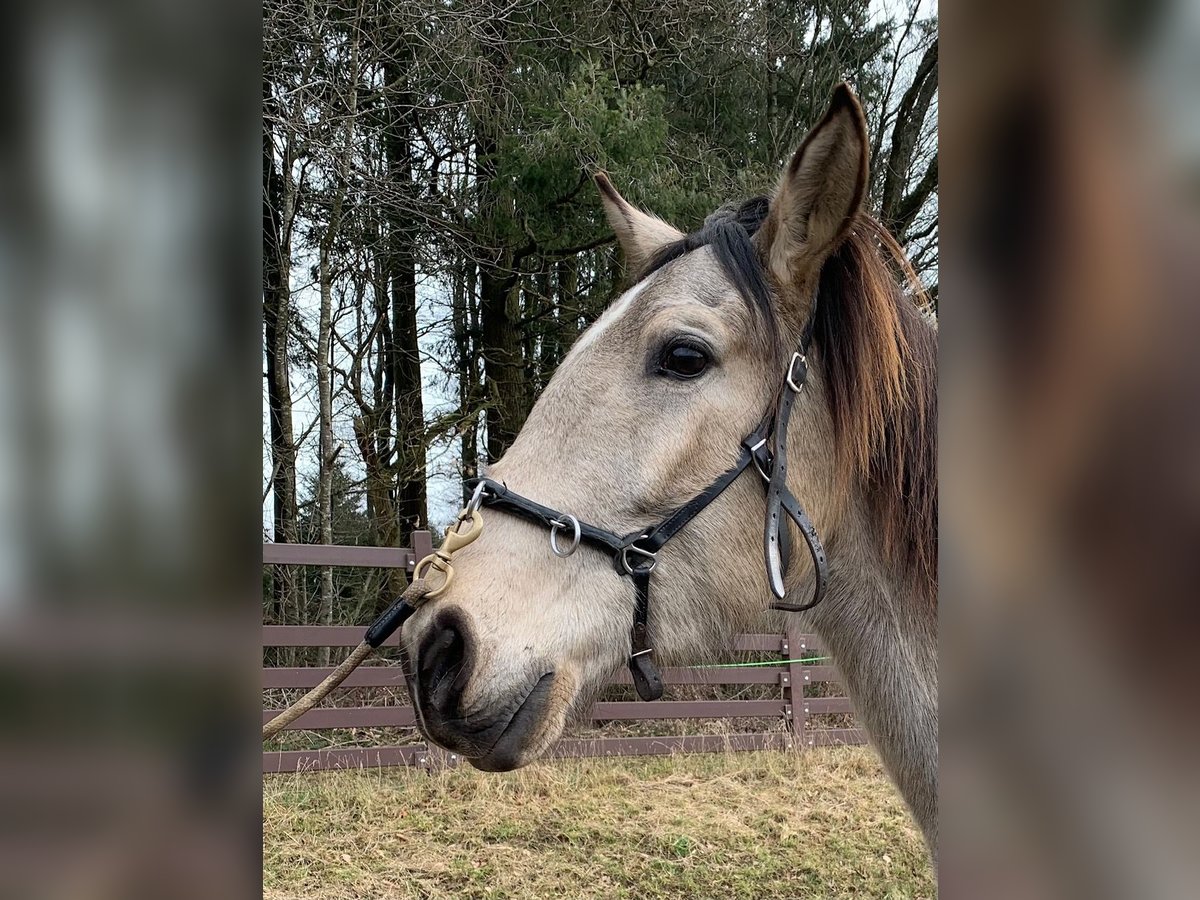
{"type": "Point", "coordinates": [1070, 437]}
{"type": "Point", "coordinates": [129, 448]}
{"type": "Point", "coordinates": [151, 271]}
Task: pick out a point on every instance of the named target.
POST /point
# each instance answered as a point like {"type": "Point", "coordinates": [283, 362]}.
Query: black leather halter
{"type": "Point", "coordinates": [636, 554]}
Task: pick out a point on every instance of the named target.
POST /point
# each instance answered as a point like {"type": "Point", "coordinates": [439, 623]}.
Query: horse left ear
{"type": "Point", "coordinates": [820, 192]}
{"type": "Point", "coordinates": [640, 234]}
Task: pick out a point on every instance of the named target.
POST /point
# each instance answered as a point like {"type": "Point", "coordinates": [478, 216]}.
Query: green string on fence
{"type": "Point", "coordinates": [769, 662]}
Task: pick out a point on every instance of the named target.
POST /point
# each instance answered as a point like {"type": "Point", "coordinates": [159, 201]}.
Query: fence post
{"type": "Point", "coordinates": [793, 682]}
{"type": "Point", "coordinates": [422, 546]}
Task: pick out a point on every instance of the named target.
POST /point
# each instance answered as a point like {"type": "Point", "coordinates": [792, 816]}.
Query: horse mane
{"type": "Point", "coordinates": [880, 361]}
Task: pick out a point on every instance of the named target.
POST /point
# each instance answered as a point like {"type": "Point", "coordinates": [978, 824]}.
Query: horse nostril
{"type": "Point", "coordinates": [443, 666]}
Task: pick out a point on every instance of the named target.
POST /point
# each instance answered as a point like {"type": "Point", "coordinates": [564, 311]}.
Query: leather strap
{"type": "Point", "coordinates": [498, 495]}
{"type": "Point", "coordinates": [815, 549]}
{"type": "Point", "coordinates": [646, 678]}
{"type": "Point", "coordinates": [780, 500]}
{"type": "Point", "coordinates": [764, 462]}
{"type": "Point", "coordinates": [777, 483]}
{"type": "Point", "coordinates": [654, 539]}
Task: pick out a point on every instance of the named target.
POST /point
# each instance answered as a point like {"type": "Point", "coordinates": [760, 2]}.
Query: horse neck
{"type": "Point", "coordinates": [883, 635]}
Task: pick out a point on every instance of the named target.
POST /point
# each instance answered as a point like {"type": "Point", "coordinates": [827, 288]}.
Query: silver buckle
{"type": "Point", "coordinates": [555, 526]}
{"type": "Point", "coordinates": [645, 554]}
{"type": "Point", "coordinates": [796, 357]}
{"type": "Point", "coordinates": [765, 476]}
{"type": "Point", "coordinates": [754, 459]}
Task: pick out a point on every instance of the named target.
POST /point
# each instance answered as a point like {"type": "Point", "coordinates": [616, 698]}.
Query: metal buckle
{"type": "Point", "coordinates": [797, 357]}
{"type": "Point", "coordinates": [555, 526]}
{"type": "Point", "coordinates": [645, 554]}
{"type": "Point", "coordinates": [754, 459]}
{"type": "Point", "coordinates": [765, 476]}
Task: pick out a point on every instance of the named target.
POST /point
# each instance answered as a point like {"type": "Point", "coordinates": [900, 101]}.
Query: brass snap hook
{"type": "Point", "coordinates": [439, 560]}
{"type": "Point", "coordinates": [456, 538]}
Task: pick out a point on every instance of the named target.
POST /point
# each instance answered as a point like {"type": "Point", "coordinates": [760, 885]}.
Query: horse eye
{"type": "Point", "coordinates": [683, 361]}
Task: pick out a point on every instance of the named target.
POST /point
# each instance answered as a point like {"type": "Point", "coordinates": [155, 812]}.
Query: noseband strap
{"type": "Point", "coordinates": [636, 554]}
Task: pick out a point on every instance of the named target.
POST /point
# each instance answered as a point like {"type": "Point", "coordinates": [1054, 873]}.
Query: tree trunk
{"type": "Point", "coordinates": [501, 339]}
{"type": "Point", "coordinates": [279, 202]}
{"type": "Point", "coordinates": [373, 428]}
{"type": "Point", "coordinates": [566, 314]}
{"type": "Point", "coordinates": [325, 412]}
{"type": "Point", "coordinates": [465, 321]}
{"type": "Point", "coordinates": [405, 355]}
{"type": "Point", "coordinates": [502, 364]}
{"type": "Point", "coordinates": [324, 337]}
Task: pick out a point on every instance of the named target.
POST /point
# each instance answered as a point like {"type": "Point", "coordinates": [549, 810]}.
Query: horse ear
{"type": "Point", "coordinates": [640, 235]}
{"type": "Point", "coordinates": [820, 192]}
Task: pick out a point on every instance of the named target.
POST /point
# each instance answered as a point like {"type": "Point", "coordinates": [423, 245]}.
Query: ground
{"type": "Point", "coordinates": [822, 823]}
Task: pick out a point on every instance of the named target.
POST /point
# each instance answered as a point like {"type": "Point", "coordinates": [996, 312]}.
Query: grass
{"type": "Point", "coordinates": [823, 823]}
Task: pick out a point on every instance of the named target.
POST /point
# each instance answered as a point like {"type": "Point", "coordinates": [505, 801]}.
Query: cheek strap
{"type": "Point", "coordinates": [781, 501]}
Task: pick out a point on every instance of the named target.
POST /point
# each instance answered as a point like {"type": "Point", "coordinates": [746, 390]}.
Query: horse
{"type": "Point", "coordinates": [799, 301]}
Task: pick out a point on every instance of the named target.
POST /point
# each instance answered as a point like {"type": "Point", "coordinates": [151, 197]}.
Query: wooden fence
{"type": "Point", "coordinates": [790, 706]}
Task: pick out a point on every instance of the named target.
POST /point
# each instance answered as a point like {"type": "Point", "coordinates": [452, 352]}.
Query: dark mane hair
{"type": "Point", "coordinates": [880, 364]}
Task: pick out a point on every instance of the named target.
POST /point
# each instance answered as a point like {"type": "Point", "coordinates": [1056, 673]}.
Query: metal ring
{"type": "Point", "coordinates": [477, 498]}
{"type": "Point", "coordinates": [645, 554]}
{"type": "Point", "coordinates": [555, 526]}
{"type": "Point", "coordinates": [439, 562]}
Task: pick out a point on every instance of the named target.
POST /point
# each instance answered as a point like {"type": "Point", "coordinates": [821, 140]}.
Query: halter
{"type": "Point", "coordinates": [635, 555]}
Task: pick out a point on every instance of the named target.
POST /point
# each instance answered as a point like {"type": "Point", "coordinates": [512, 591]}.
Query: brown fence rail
{"type": "Point", "coordinates": [792, 708]}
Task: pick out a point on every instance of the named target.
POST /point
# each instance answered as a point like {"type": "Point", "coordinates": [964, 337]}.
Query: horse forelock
{"type": "Point", "coordinates": [728, 232]}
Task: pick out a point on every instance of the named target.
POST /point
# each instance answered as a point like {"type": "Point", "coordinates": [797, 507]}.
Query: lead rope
{"type": "Point", "coordinates": [414, 596]}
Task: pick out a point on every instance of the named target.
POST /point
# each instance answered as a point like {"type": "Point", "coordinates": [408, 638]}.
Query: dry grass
{"type": "Point", "coordinates": [823, 823]}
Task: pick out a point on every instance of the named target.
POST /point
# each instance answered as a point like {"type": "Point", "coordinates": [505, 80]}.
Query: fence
{"type": "Point", "coordinates": [792, 707]}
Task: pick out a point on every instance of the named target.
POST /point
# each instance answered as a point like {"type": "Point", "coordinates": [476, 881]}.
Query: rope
{"type": "Point", "coordinates": [319, 693]}
{"type": "Point", "coordinates": [413, 596]}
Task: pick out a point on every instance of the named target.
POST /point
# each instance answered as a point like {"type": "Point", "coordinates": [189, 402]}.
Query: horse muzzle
{"type": "Point", "coordinates": [493, 736]}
